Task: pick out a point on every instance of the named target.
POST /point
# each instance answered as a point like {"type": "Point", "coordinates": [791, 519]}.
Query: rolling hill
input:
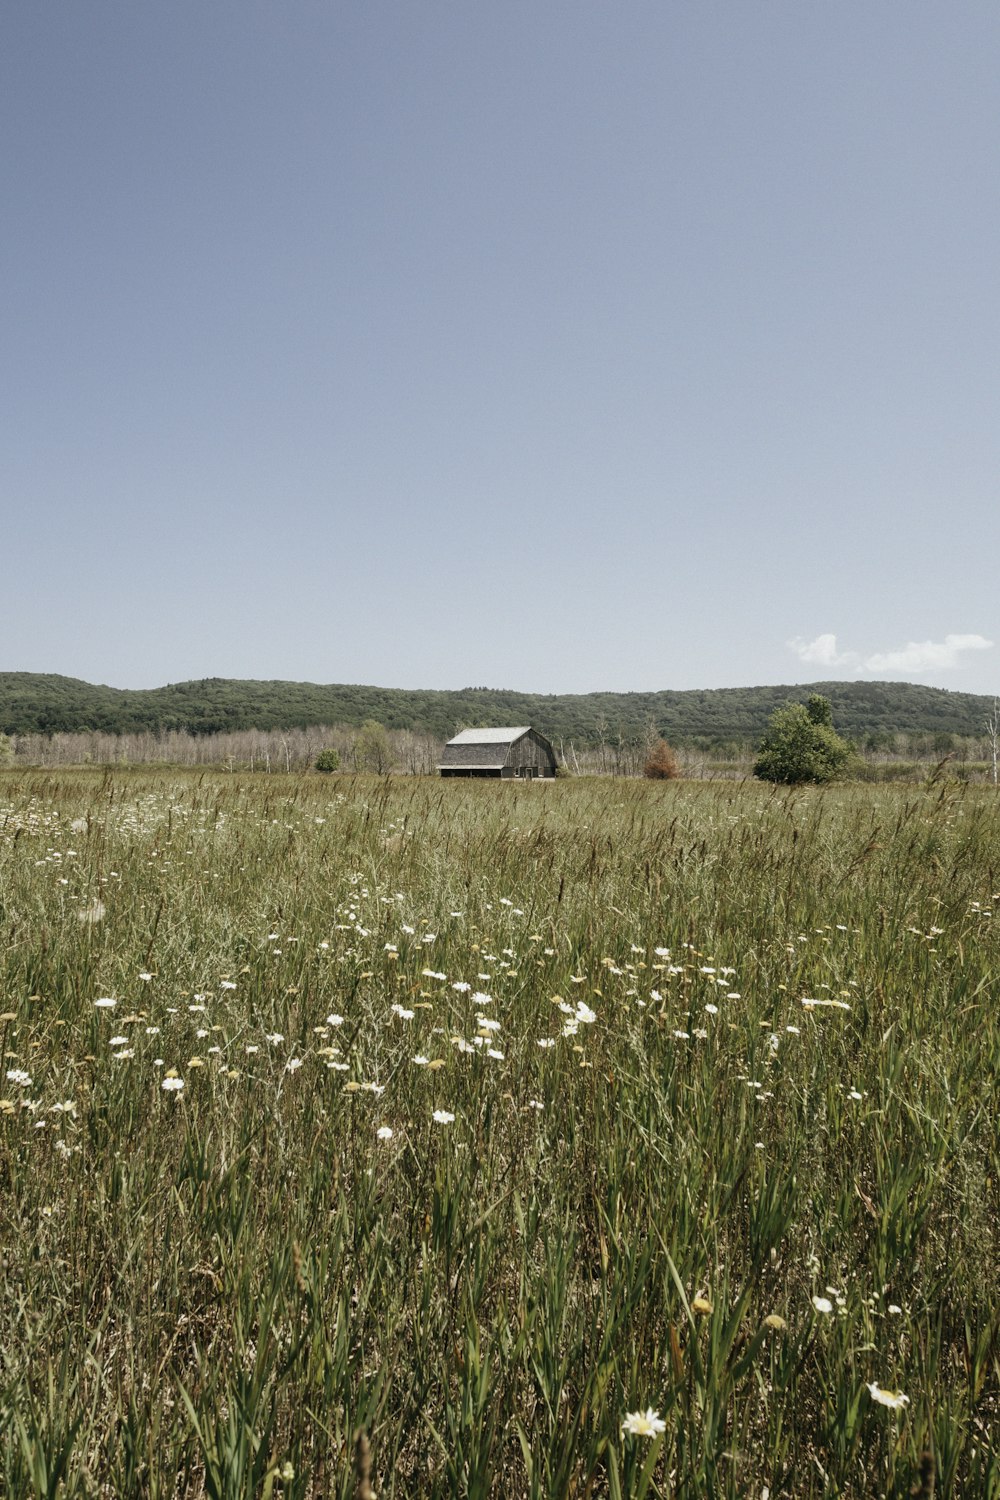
{"type": "Point", "coordinates": [42, 703]}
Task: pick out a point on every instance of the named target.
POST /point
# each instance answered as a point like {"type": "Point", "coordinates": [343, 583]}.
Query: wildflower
{"type": "Point", "coordinates": [479, 998]}
{"type": "Point", "coordinates": [822, 1304]}
{"type": "Point", "coordinates": [461, 986]}
{"type": "Point", "coordinates": [293, 1064]}
{"type": "Point", "coordinates": [274, 1037]}
{"type": "Point", "coordinates": [171, 1082]}
{"type": "Point", "coordinates": [776, 1321]}
{"type": "Point", "coordinates": [144, 976]}
{"type": "Point", "coordinates": [402, 1012]}
{"type": "Point", "coordinates": [895, 1400]}
{"type": "Point", "coordinates": [443, 1116]}
{"type": "Point", "coordinates": [106, 1003]}
{"type": "Point", "coordinates": [713, 1010]}
{"type": "Point", "coordinates": [334, 1020]}
{"type": "Point", "coordinates": [646, 1423]}
{"type": "Point", "coordinates": [546, 1041]}
{"type": "Point", "coordinates": [584, 1013]}
{"type": "Point", "coordinates": [701, 1305]}
{"type": "Point", "coordinates": [227, 984]}
{"type": "Point", "coordinates": [19, 1076]}
{"type": "Point", "coordinates": [894, 1308]}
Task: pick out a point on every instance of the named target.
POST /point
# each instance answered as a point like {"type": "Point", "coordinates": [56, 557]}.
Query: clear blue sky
{"type": "Point", "coordinates": [557, 346]}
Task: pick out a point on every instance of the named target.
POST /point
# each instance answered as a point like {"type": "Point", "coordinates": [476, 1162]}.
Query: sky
{"type": "Point", "coordinates": [552, 345]}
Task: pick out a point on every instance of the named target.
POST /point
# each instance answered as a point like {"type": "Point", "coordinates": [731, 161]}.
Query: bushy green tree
{"type": "Point", "coordinates": [801, 745]}
{"type": "Point", "coordinates": [372, 750]}
{"type": "Point", "coordinates": [6, 751]}
{"type": "Point", "coordinates": [819, 710]}
{"type": "Point", "coordinates": [328, 760]}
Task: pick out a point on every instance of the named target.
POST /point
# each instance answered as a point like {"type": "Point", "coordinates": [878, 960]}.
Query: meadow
{"type": "Point", "coordinates": [600, 1139]}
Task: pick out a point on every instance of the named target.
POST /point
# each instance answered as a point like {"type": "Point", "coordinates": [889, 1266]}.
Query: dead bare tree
{"type": "Point", "coordinates": [993, 735]}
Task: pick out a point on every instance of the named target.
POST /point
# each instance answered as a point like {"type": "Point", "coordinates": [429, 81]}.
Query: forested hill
{"type": "Point", "coordinates": [32, 703]}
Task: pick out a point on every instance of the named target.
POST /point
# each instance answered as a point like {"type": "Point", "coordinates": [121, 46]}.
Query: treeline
{"type": "Point", "coordinates": [703, 721]}
{"type": "Point", "coordinates": [263, 750]}
{"type": "Point", "coordinates": [409, 752]}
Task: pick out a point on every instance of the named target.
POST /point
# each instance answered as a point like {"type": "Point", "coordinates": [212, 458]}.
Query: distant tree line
{"type": "Point", "coordinates": [615, 725]}
{"type": "Point", "coordinates": [371, 747]}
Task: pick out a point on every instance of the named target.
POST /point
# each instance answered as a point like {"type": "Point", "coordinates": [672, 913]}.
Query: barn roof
{"type": "Point", "coordinates": [489, 736]}
{"type": "Point", "coordinates": [463, 757]}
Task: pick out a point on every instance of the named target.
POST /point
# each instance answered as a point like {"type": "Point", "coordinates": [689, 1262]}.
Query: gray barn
{"type": "Point", "coordinates": [521, 754]}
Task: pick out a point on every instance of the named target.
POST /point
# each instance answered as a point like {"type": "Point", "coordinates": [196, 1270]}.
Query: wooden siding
{"type": "Point", "coordinates": [531, 752]}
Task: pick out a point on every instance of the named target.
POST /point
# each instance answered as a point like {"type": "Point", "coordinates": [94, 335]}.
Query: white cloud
{"type": "Point", "coordinates": [927, 656]}
{"type": "Point", "coordinates": [823, 652]}
{"type": "Point", "coordinates": [916, 657]}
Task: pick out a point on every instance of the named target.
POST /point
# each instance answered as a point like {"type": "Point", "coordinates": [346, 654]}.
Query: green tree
{"type": "Point", "coordinates": [6, 751]}
{"type": "Point", "coordinates": [327, 760]}
{"type": "Point", "coordinates": [819, 710]}
{"type": "Point", "coordinates": [372, 750]}
{"type": "Point", "coordinates": [801, 745]}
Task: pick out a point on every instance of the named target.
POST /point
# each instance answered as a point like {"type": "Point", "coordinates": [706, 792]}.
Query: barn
{"type": "Point", "coordinates": [520, 754]}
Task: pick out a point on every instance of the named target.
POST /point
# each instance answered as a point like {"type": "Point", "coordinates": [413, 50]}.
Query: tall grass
{"type": "Point", "coordinates": [767, 1089]}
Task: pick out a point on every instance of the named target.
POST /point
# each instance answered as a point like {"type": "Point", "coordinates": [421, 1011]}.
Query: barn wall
{"type": "Point", "coordinates": [530, 750]}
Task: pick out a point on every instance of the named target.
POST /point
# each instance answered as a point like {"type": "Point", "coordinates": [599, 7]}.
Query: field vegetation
{"type": "Point", "coordinates": [598, 1138]}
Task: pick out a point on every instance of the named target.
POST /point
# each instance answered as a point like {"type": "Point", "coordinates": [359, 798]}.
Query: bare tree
{"type": "Point", "coordinates": [993, 735]}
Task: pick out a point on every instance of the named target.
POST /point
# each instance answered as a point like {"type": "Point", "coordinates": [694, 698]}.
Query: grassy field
{"type": "Point", "coordinates": [478, 1119]}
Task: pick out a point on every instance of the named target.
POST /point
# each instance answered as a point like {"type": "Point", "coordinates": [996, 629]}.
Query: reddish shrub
{"type": "Point", "coordinates": [661, 763]}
